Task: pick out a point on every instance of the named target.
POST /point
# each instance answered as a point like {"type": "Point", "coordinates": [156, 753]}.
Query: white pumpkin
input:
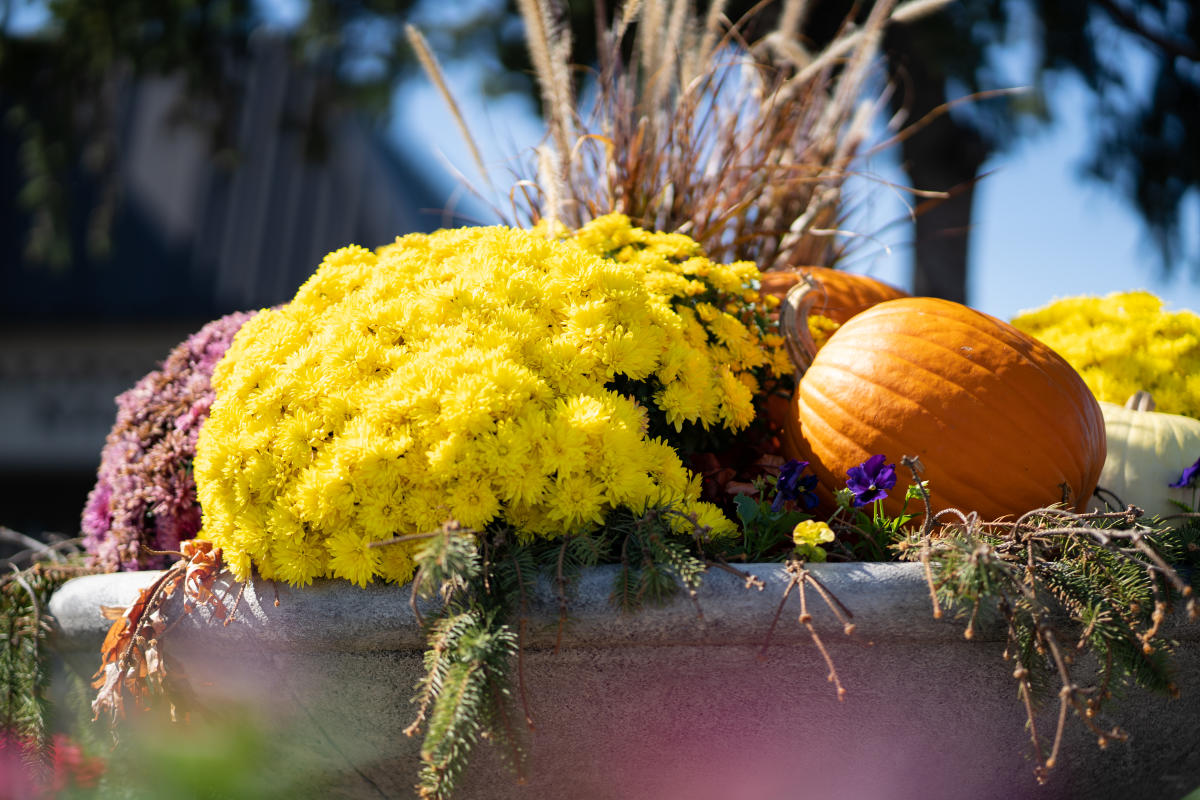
{"type": "Point", "coordinates": [1147, 450]}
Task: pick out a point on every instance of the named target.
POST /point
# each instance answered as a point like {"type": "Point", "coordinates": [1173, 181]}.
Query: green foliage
{"type": "Point", "coordinates": [483, 583]}
{"type": "Point", "coordinates": [763, 530]}
{"type": "Point", "coordinates": [468, 665]}
{"type": "Point", "coordinates": [220, 757]}
{"type": "Point", "coordinates": [466, 691]}
{"type": "Point", "coordinates": [24, 659]}
{"type": "Point", "coordinates": [1082, 598]}
{"type": "Point", "coordinates": [1186, 544]}
{"type": "Point", "coordinates": [654, 561]}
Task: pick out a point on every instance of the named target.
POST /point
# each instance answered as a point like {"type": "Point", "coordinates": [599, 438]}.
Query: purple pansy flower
{"type": "Point", "coordinates": [792, 486]}
{"type": "Point", "coordinates": [870, 480]}
{"type": "Point", "coordinates": [1188, 479]}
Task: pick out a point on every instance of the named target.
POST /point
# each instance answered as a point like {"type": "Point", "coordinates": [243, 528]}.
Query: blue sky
{"type": "Point", "coordinates": [1041, 230]}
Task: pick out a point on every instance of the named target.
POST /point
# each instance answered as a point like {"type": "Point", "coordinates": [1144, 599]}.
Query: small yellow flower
{"type": "Point", "coordinates": [298, 561]}
{"type": "Point", "coordinates": [808, 537]}
{"type": "Point", "coordinates": [812, 532]}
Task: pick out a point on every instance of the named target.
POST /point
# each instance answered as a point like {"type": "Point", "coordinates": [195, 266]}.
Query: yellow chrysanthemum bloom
{"type": "Point", "coordinates": [1125, 342]}
{"type": "Point", "coordinates": [821, 327]}
{"type": "Point", "coordinates": [486, 375]}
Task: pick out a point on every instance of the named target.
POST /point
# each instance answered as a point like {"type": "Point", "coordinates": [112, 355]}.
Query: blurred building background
{"type": "Point", "coordinates": [191, 240]}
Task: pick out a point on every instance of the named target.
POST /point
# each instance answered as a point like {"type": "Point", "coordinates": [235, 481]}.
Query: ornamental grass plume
{"type": "Point", "coordinates": [145, 495]}
{"type": "Point", "coordinates": [1125, 342]}
{"type": "Point", "coordinates": [744, 146]}
{"type": "Point", "coordinates": [492, 376]}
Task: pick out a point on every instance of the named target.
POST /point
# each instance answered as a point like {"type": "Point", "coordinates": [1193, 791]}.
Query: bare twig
{"type": "Point", "coordinates": [522, 625]}
{"type": "Point", "coordinates": [792, 584]}
{"type": "Point", "coordinates": [36, 549]}
{"type": "Point", "coordinates": [412, 537]}
{"type": "Point", "coordinates": [561, 582]}
{"type": "Point", "coordinates": [751, 581]}
{"type": "Point", "coordinates": [806, 620]}
{"type": "Point", "coordinates": [914, 466]}
{"type": "Point", "coordinates": [1130, 21]}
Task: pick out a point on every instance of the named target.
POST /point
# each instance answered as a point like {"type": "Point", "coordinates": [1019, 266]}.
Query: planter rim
{"type": "Point", "coordinates": [888, 601]}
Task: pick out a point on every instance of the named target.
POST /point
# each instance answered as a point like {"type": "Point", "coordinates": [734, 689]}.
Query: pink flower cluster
{"type": "Point", "coordinates": [144, 493]}
{"type": "Point", "coordinates": [27, 774]}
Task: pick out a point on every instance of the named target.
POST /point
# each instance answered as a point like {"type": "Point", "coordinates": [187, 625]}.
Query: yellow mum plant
{"type": "Point", "coordinates": [1125, 342]}
{"type": "Point", "coordinates": [485, 375]}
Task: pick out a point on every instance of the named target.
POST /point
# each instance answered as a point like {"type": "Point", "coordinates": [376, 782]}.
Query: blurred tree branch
{"type": "Point", "coordinates": [61, 84]}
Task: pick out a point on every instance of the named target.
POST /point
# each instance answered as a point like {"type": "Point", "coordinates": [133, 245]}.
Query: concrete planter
{"type": "Point", "coordinates": [663, 705]}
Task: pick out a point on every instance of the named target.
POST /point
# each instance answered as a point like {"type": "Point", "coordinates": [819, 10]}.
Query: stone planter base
{"type": "Point", "coordinates": [663, 705]}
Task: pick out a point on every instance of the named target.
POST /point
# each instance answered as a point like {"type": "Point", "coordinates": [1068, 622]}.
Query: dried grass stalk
{"type": "Point", "coordinates": [433, 69]}
{"type": "Point", "coordinates": [744, 146]}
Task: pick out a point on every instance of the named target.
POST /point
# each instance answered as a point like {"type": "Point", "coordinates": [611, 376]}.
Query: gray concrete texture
{"type": "Point", "coordinates": [662, 704]}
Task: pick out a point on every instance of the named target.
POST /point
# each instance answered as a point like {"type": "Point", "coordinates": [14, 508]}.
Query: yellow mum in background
{"type": "Point", "coordinates": [472, 374]}
{"type": "Point", "coordinates": [1125, 342]}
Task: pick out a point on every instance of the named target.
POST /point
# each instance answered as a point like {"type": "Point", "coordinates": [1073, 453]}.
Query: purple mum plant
{"type": "Point", "coordinates": [144, 493]}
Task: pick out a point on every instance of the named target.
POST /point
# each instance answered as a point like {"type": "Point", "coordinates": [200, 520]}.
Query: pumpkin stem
{"type": "Point", "coordinates": [793, 321]}
{"type": "Point", "coordinates": [1139, 401]}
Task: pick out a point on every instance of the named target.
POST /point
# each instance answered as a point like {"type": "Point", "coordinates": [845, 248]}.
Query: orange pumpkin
{"type": "Point", "coordinates": [1000, 422]}
{"type": "Point", "coordinates": [837, 294]}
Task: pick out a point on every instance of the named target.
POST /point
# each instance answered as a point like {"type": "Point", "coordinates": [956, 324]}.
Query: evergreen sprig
{"type": "Point", "coordinates": [465, 693]}
{"type": "Point", "coordinates": [468, 664]}
{"type": "Point", "coordinates": [1065, 586]}
{"type": "Point", "coordinates": [482, 582]}
{"type": "Point", "coordinates": [654, 560]}
{"type": "Point", "coordinates": [24, 657]}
